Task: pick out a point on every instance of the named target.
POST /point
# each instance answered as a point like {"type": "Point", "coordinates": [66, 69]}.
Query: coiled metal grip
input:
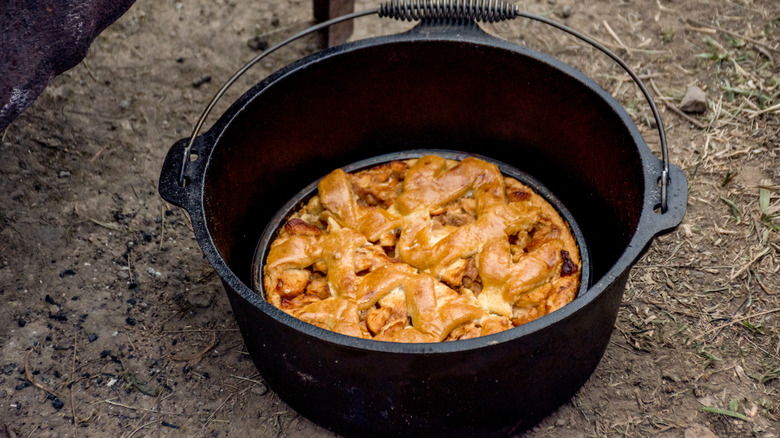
{"type": "Point", "coordinates": [489, 11]}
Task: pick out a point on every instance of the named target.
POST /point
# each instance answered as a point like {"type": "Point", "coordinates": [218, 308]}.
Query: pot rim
{"type": "Point", "coordinates": [648, 226]}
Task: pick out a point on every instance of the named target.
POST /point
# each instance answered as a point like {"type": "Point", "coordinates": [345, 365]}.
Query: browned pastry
{"type": "Point", "coordinates": [424, 250]}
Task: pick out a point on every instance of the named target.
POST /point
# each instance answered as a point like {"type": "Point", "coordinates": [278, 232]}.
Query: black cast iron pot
{"type": "Point", "coordinates": [437, 87]}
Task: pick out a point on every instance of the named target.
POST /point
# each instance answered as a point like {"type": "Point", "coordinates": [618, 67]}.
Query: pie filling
{"type": "Point", "coordinates": [422, 250]}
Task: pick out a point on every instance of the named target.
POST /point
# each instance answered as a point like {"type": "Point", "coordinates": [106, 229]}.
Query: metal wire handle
{"type": "Point", "coordinates": [429, 10]}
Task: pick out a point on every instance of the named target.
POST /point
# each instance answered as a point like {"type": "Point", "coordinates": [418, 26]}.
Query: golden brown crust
{"type": "Point", "coordinates": [422, 251]}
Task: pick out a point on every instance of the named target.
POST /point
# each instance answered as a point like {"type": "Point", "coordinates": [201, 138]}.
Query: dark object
{"type": "Point", "coordinates": [21, 322]}
{"type": "Point", "coordinates": [57, 404]}
{"type": "Point", "coordinates": [59, 316]}
{"type": "Point", "coordinates": [49, 299]}
{"type": "Point", "coordinates": [130, 321]}
{"type": "Point", "coordinates": [257, 43]}
{"type": "Point", "coordinates": [92, 337]}
{"type": "Point", "coordinates": [40, 40]}
{"type": "Point", "coordinates": [167, 424]}
{"type": "Point", "coordinates": [293, 204]}
{"type": "Point", "coordinates": [22, 385]}
{"type": "Point", "coordinates": [435, 86]}
{"type": "Point", "coordinates": [201, 80]}
{"type": "Point", "coordinates": [67, 273]}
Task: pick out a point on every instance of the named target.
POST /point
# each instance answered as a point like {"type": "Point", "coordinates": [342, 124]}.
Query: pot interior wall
{"type": "Point", "coordinates": [425, 94]}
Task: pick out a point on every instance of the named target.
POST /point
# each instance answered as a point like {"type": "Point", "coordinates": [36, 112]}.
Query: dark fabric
{"type": "Point", "coordinates": [40, 39]}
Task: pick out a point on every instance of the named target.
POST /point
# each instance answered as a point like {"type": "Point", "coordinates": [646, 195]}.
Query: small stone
{"type": "Point", "coordinates": [21, 322]}
{"type": "Point", "coordinates": [205, 79]}
{"type": "Point", "coordinates": [57, 404]}
{"type": "Point", "coordinates": [699, 431]}
{"type": "Point", "coordinates": [92, 337]}
{"type": "Point", "coordinates": [8, 369]}
{"type": "Point", "coordinates": [671, 376]}
{"type": "Point", "coordinates": [259, 389]}
{"type": "Point", "coordinates": [275, 22]}
{"type": "Point", "coordinates": [22, 385]}
{"type": "Point", "coordinates": [130, 321]}
{"type": "Point", "coordinates": [54, 308]}
{"type": "Point", "coordinates": [566, 12]}
{"type": "Point", "coordinates": [63, 174]}
{"type": "Point", "coordinates": [560, 422]}
{"type": "Point", "coordinates": [124, 104]}
{"type": "Point", "coordinates": [202, 298]}
{"type": "Point", "coordinates": [257, 43]}
{"type": "Point", "coordinates": [694, 101]}
{"type": "Point", "coordinates": [67, 273]}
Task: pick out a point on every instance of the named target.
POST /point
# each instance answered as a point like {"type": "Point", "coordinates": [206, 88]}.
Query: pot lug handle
{"type": "Point", "coordinates": [170, 189]}
{"type": "Point", "coordinates": [662, 222]}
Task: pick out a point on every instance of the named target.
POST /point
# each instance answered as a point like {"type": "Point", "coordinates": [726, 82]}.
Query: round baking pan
{"type": "Point", "coordinates": [277, 222]}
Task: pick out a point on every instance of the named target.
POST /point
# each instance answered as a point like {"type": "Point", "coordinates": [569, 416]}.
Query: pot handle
{"type": "Point", "coordinates": [170, 189]}
{"type": "Point", "coordinates": [459, 10]}
{"type": "Point", "coordinates": [677, 200]}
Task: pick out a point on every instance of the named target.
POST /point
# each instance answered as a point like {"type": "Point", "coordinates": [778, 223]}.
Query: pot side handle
{"type": "Point", "coordinates": [170, 189]}
{"type": "Point", "coordinates": [677, 201]}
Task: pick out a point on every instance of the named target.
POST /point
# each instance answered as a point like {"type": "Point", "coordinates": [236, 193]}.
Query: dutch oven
{"type": "Point", "coordinates": [443, 85]}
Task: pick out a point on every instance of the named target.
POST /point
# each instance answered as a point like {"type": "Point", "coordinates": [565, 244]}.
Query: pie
{"type": "Point", "coordinates": [422, 250]}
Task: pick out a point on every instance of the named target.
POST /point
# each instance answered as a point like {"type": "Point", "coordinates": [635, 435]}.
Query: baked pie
{"type": "Point", "coordinates": [422, 250]}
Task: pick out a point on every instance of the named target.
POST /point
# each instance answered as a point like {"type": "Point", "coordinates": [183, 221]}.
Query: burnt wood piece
{"type": "Point", "coordinates": [43, 38]}
{"type": "Point", "coordinates": [327, 9]}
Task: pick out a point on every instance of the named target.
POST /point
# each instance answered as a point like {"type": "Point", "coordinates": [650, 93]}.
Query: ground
{"type": "Point", "coordinates": [113, 324]}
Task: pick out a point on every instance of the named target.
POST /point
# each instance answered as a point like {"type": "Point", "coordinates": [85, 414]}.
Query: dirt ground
{"type": "Point", "coordinates": [113, 324]}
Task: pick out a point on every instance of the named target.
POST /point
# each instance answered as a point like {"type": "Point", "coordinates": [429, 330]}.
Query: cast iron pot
{"type": "Point", "coordinates": [438, 87]}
